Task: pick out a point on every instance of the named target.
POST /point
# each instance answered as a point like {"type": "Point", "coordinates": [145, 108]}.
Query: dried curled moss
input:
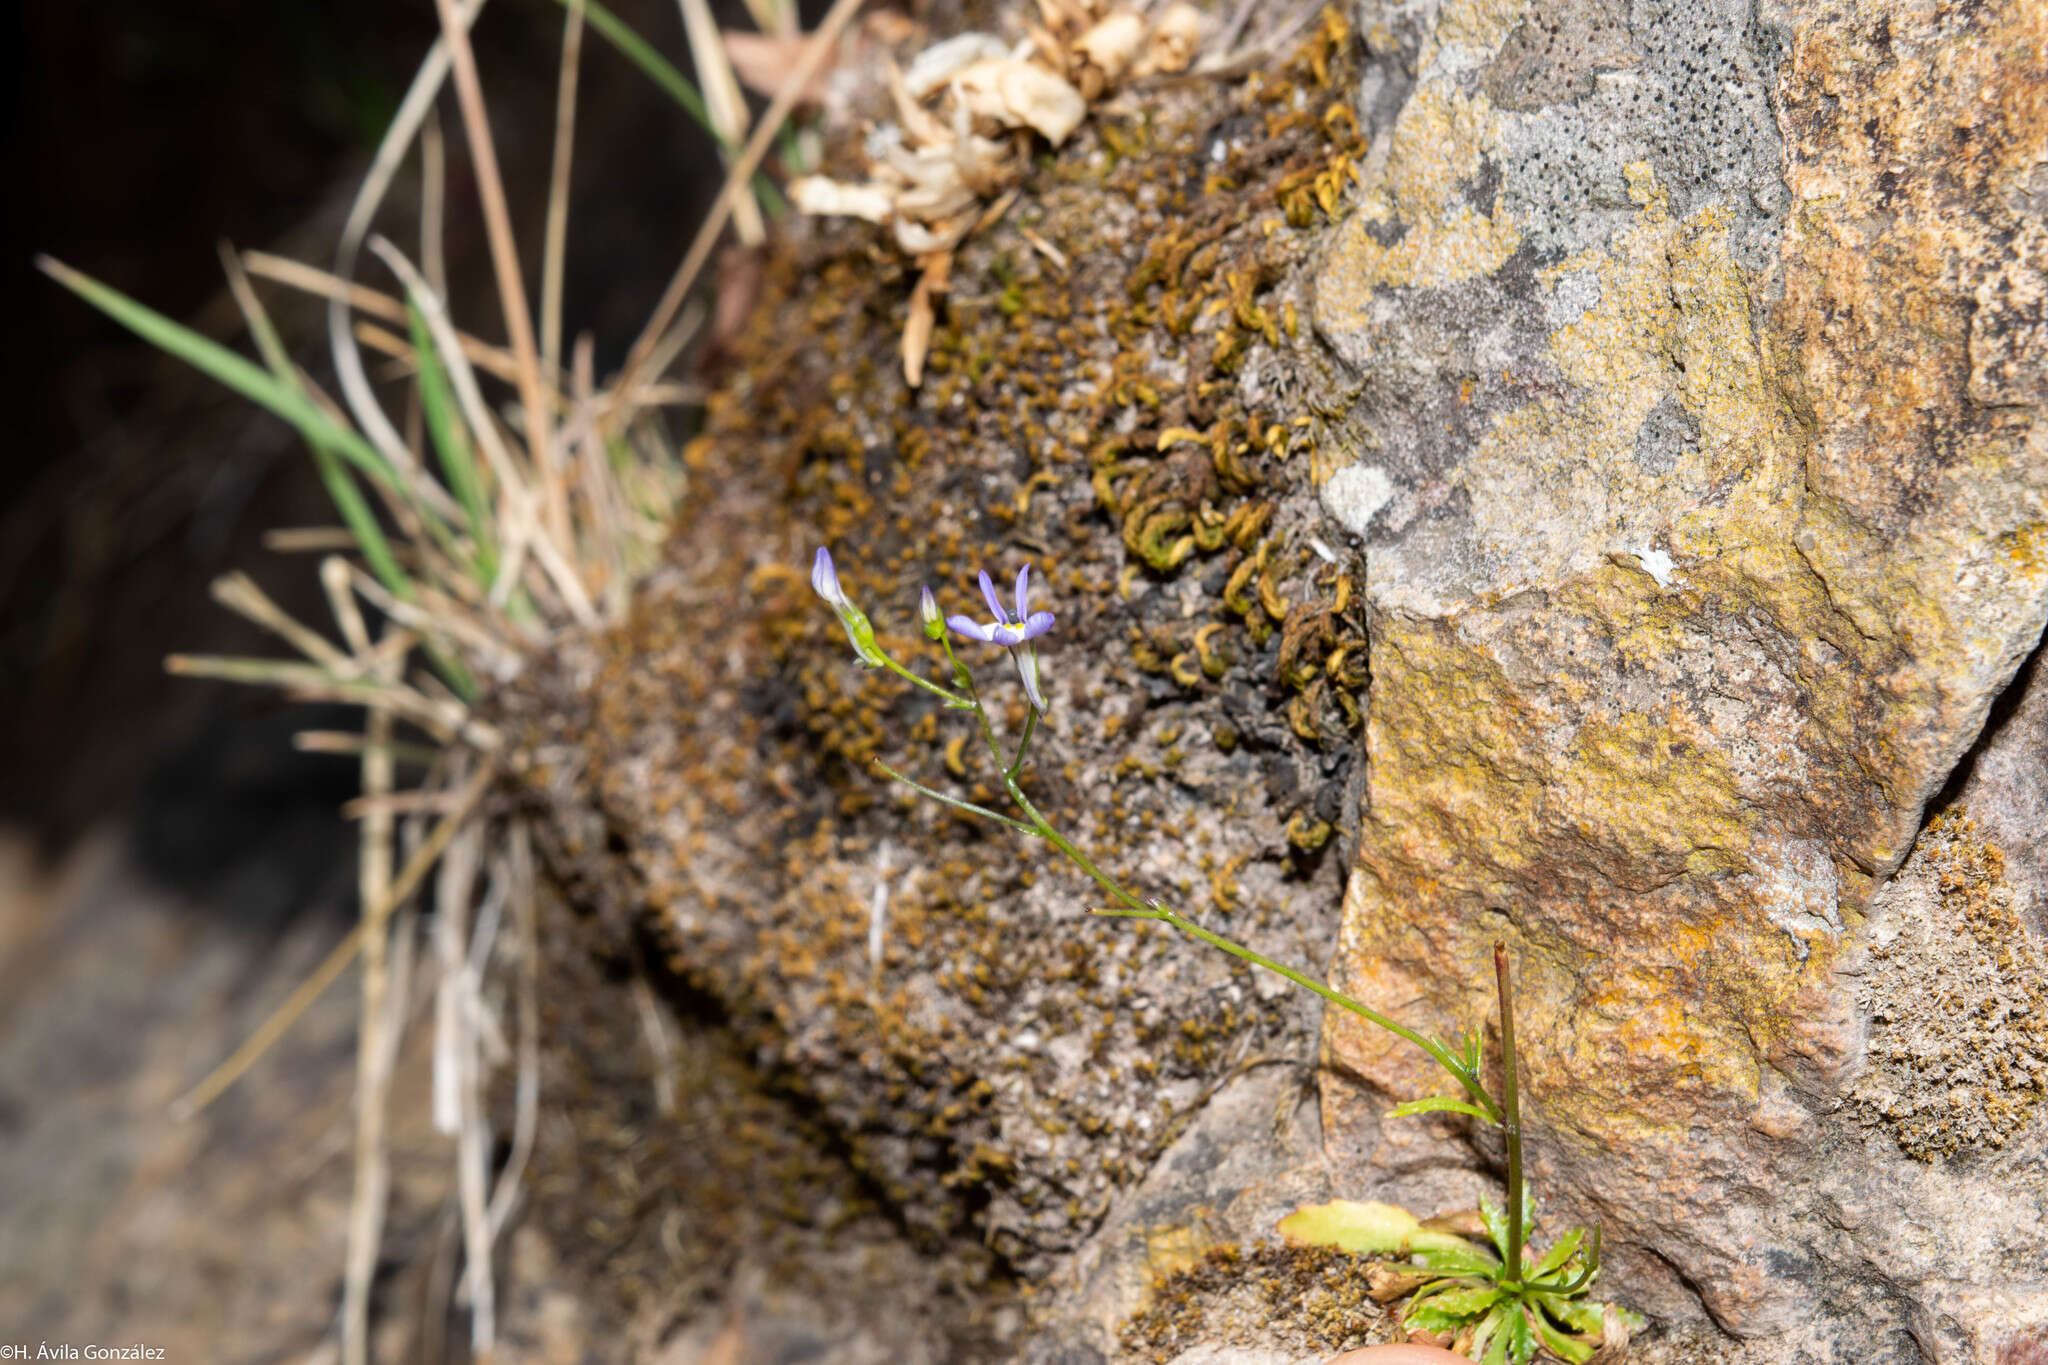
{"type": "Point", "coordinates": [1271, 1296]}
{"type": "Point", "coordinates": [1119, 411]}
{"type": "Point", "coordinates": [1958, 1052]}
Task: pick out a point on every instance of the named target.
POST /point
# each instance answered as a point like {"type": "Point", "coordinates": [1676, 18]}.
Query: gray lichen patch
{"type": "Point", "coordinates": [1958, 1052]}
{"type": "Point", "coordinates": [1591, 92]}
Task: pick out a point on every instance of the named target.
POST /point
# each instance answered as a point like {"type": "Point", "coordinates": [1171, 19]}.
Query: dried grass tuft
{"type": "Point", "coordinates": [511, 501]}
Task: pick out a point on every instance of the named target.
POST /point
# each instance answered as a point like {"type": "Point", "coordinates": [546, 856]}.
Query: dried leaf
{"type": "Point", "coordinates": [1019, 94]}
{"type": "Point", "coordinates": [919, 125]}
{"type": "Point", "coordinates": [917, 239]}
{"type": "Point", "coordinates": [1046, 249]}
{"type": "Point", "coordinates": [818, 194]}
{"type": "Point", "coordinates": [1386, 1284]}
{"type": "Point", "coordinates": [1614, 1335]}
{"type": "Point", "coordinates": [932, 68]}
{"type": "Point", "coordinates": [1112, 45]}
{"type": "Point", "coordinates": [763, 62]}
{"type": "Point", "coordinates": [917, 329]}
{"type": "Point", "coordinates": [1463, 1223]}
{"type": "Point", "coordinates": [1175, 39]}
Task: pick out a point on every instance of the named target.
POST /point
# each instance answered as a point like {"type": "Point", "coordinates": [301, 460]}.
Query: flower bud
{"type": "Point", "coordinates": [825, 579]}
{"type": "Point", "coordinates": [928, 612]}
{"type": "Point", "coordinates": [859, 633]}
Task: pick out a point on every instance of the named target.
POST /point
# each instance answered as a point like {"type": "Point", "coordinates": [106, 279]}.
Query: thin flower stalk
{"type": "Point", "coordinates": [1497, 1304]}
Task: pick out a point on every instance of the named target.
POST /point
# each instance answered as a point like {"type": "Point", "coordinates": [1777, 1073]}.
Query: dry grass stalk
{"type": "Point", "coordinates": [434, 203]}
{"type": "Point", "coordinates": [373, 1055]}
{"type": "Point", "coordinates": [405, 127]}
{"type": "Point", "coordinates": [555, 241]}
{"type": "Point", "coordinates": [658, 1043]}
{"type": "Point", "coordinates": [339, 957]}
{"type": "Point", "coordinates": [483, 154]}
{"type": "Point", "coordinates": [723, 101]}
{"type": "Point", "coordinates": [816, 50]}
{"type": "Point", "coordinates": [238, 592]}
{"type": "Point", "coordinates": [522, 886]}
{"type": "Point", "coordinates": [471, 539]}
{"type": "Point", "coordinates": [458, 1081]}
{"type": "Point", "coordinates": [308, 279]}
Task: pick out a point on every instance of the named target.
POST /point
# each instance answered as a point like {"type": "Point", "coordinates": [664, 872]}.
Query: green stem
{"type": "Point", "coordinates": [1030, 727]}
{"type": "Point", "coordinates": [1585, 1275]}
{"type": "Point", "coordinates": [955, 802]}
{"type": "Point", "coordinates": [1437, 1051]}
{"type": "Point", "coordinates": [1511, 1116]}
{"type": "Point", "coordinates": [952, 699]}
{"type": "Point", "coordinates": [1142, 910]}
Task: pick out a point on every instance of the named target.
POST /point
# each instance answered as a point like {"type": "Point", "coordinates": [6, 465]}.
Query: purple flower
{"type": "Point", "coordinates": [1014, 633]}
{"type": "Point", "coordinates": [1004, 630]}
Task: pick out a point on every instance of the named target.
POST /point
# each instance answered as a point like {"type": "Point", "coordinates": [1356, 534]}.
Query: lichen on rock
{"type": "Point", "coordinates": [1702, 548]}
{"type": "Point", "coordinates": [1957, 992]}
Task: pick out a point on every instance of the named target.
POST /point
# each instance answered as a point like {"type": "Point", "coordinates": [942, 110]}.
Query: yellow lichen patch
{"type": "Point", "coordinates": [1672, 325]}
{"type": "Point", "coordinates": [1437, 238]}
{"type": "Point", "coordinates": [1653, 791]}
{"type": "Point", "coordinates": [1180, 1247]}
{"type": "Point", "coordinates": [1478, 25]}
{"type": "Point", "coordinates": [1449, 743]}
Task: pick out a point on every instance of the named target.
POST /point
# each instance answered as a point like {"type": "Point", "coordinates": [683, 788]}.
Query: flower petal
{"type": "Point", "coordinates": [1027, 670]}
{"type": "Point", "coordinates": [825, 579]}
{"type": "Point", "coordinates": [1037, 624]}
{"type": "Point", "coordinates": [1023, 591]}
{"type": "Point", "coordinates": [988, 590]}
{"type": "Point", "coordinates": [972, 629]}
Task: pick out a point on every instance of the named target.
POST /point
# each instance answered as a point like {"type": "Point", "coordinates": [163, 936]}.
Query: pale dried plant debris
{"type": "Point", "coordinates": [967, 109]}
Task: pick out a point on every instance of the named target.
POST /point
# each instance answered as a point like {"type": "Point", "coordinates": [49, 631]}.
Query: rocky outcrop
{"type": "Point", "coordinates": [1697, 379]}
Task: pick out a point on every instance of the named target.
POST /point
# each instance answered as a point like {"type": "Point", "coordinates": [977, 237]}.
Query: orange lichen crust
{"type": "Point", "coordinates": [1006, 1062]}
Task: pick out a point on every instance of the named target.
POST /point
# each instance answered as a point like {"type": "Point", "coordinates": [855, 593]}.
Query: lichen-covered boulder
{"type": "Point", "coordinates": [1564, 473]}
{"type": "Point", "coordinates": [1693, 360]}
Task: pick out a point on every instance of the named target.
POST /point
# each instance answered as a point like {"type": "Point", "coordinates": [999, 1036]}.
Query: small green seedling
{"type": "Point", "coordinates": [1500, 1301]}
{"type": "Point", "coordinates": [1497, 1303]}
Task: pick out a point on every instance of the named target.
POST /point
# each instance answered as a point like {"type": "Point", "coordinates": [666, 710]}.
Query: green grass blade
{"type": "Point", "coordinates": [451, 443]}
{"type": "Point", "coordinates": [361, 521]}
{"type": "Point", "coordinates": [330, 442]}
{"type": "Point", "coordinates": [640, 53]}
{"type": "Point", "coordinates": [662, 72]}
{"type": "Point", "coordinates": [217, 362]}
{"type": "Point", "coordinates": [348, 500]}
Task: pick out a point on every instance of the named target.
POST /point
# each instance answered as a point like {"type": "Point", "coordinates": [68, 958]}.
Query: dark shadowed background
{"type": "Point", "coordinates": [140, 136]}
{"type": "Point", "coordinates": [170, 867]}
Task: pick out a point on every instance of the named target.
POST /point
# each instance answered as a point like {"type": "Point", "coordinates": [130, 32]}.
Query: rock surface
{"type": "Point", "coordinates": [1703, 379]}
{"type": "Point", "coordinates": [1619, 425]}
